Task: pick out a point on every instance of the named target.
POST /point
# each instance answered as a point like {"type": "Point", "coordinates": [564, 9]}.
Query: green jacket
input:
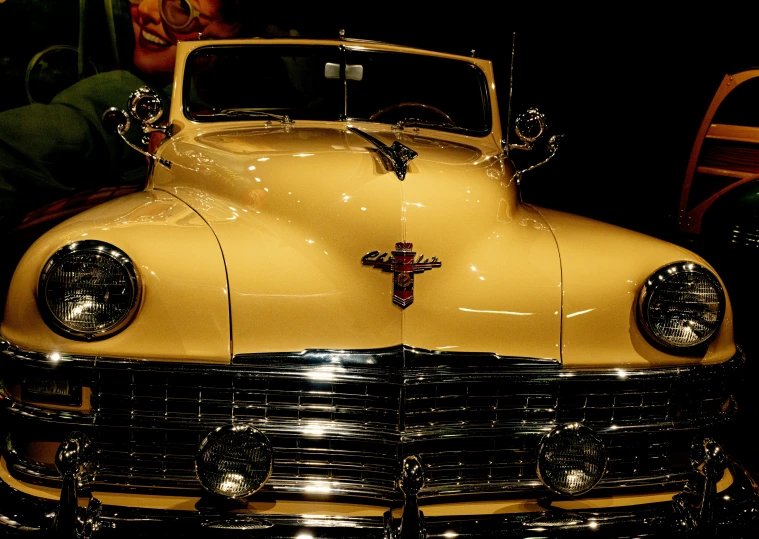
{"type": "Point", "coordinates": [48, 151]}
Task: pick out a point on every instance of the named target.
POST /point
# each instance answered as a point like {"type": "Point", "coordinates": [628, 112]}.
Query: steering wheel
{"type": "Point", "coordinates": [413, 105]}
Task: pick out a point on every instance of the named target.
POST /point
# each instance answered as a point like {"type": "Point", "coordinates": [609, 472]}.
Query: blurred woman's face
{"type": "Point", "coordinates": [156, 30]}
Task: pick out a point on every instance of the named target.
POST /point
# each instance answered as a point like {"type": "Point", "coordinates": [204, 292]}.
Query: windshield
{"type": "Point", "coordinates": [236, 82]}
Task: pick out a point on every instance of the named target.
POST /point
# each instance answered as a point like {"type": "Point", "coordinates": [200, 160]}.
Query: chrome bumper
{"type": "Point", "coordinates": [734, 513]}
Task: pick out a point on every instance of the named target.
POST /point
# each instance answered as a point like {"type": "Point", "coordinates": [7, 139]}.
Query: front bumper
{"type": "Point", "coordinates": [734, 510]}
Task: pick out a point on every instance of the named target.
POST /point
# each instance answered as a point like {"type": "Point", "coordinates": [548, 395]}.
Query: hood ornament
{"type": "Point", "coordinates": [398, 154]}
{"type": "Point", "coordinates": [403, 266]}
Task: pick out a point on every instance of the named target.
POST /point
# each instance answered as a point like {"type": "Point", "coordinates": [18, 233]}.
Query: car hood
{"type": "Point", "coordinates": [296, 210]}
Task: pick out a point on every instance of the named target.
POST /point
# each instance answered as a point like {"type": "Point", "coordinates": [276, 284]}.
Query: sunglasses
{"type": "Point", "coordinates": [179, 15]}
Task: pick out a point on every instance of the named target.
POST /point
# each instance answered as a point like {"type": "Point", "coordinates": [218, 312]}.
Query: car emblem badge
{"type": "Point", "coordinates": [403, 266]}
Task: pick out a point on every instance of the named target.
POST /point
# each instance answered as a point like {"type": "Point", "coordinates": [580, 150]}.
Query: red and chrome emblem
{"type": "Point", "coordinates": [403, 266]}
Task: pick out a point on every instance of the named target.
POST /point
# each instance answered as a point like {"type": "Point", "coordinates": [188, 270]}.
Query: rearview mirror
{"type": "Point", "coordinates": [352, 72]}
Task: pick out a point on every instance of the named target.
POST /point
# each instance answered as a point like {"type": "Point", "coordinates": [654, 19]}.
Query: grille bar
{"type": "Point", "coordinates": [342, 421]}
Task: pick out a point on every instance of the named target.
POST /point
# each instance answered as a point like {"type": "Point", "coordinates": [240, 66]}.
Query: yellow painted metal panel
{"type": "Point", "coordinates": [498, 289]}
{"type": "Point", "coordinates": [603, 270]}
{"type": "Point", "coordinates": [184, 312]}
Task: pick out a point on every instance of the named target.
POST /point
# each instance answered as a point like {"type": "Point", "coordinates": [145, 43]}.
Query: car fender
{"type": "Point", "coordinates": [603, 270]}
{"type": "Point", "coordinates": [183, 311]}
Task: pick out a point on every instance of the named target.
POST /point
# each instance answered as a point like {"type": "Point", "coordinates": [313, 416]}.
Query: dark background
{"type": "Point", "coordinates": [629, 103]}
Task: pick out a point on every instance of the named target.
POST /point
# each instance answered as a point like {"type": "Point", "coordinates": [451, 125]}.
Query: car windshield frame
{"type": "Point", "coordinates": [291, 82]}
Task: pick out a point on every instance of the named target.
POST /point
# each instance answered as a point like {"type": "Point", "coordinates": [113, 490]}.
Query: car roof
{"type": "Point", "coordinates": [350, 42]}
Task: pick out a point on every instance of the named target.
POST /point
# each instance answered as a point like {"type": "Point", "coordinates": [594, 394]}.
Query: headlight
{"type": "Point", "coordinates": [681, 305]}
{"type": "Point", "coordinates": [88, 290]}
{"type": "Point", "coordinates": [571, 459]}
{"type": "Point", "coordinates": [234, 461]}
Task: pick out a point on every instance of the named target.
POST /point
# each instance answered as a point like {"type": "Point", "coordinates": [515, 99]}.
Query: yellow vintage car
{"type": "Point", "coordinates": [330, 314]}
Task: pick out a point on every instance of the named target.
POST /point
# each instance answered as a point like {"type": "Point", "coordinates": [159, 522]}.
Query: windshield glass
{"type": "Point", "coordinates": [236, 82]}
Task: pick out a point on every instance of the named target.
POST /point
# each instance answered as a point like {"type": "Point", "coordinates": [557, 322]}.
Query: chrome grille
{"type": "Point", "coordinates": [340, 422]}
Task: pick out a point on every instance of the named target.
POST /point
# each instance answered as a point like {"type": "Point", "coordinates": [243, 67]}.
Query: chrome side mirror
{"type": "Point", "coordinates": [145, 106]}
{"type": "Point", "coordinates": [530, 126]}
{"type": "Point", "coordinates": [551, 148]}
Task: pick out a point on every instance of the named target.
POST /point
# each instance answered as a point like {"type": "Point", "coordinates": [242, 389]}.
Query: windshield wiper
{"type": "Point", "coordinates": [252, 113]}
{"type": "Point", "coordinates": [413, 122]}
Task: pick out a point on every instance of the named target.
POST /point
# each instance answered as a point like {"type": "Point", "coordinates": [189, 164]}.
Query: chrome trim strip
{"type": "Point", "coordinates": [415, 362]}
{"type": "Point", "coordinates": [736, 510]}
{"type": "Point", "coordinates": [391, 357]}
{"type": "Point", "coordinates": [306, 484]}
{"type": "Point", "coordinates": [403, 356]}
{"type": "Point", "coordinates": [349, 430]}
{"type": "Point", "coordinates": [399, 364]}
{"type": "Point", "coordinates": [355, 404]}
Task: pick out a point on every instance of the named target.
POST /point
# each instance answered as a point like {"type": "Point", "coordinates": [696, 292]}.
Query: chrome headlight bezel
{"type": "Point", "coordinates": [576, 447]}
{"type": "Point", "coordinates": [212, 457]}
{"type": "Point", "coordinates": [123, 262]}
{"type": "Point", "coordinates": [654, 286]}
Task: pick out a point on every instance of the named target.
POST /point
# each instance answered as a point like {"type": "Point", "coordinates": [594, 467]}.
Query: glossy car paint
{"type": "Point", "coordinates": [184, 314]}
{"type": "Point", "coordinates": [284, 215]}
{"type": "Point", "coordinates": [603, 269]}
{"type": "Point", "coordinates": [295, 223]}
{"type": "Point", "coordinates": [252, 242]}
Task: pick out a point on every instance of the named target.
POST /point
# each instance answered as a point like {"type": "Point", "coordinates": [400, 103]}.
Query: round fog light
{"type": "Point", "coordinates": [571, 459]}
{"type": "Point", "coordinates": [234, 461]}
